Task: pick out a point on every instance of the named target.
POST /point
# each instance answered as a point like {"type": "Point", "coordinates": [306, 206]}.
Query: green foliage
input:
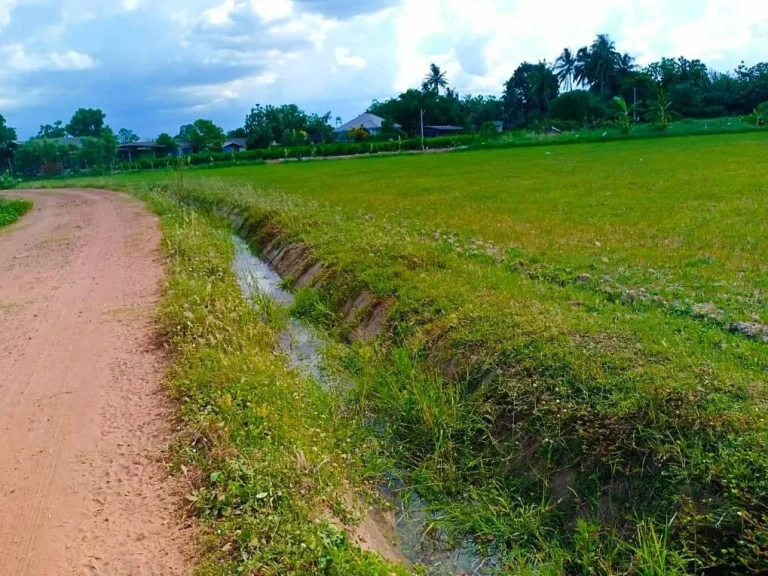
{"type": "Point", "coordinates": [6, 132]}
{"type": "Point", "coordinates": [580, 106]}
{"type": "Point", "coordinates": [86, 122]}
{"type": "Point", "coordinates": [660, 112]}
{"type": "Point", "coordinates": [56, 130]}
{"type": "Point", "coordinates": [434, 80]}
{"type": "Point", "coordinates": [488, 130]}
{"type": "Point", "coordinates": [169, 145]}
{"type": "Point", "coordinates": [126, 136]}
{"type": "Point", "coordinates": [529, 92]}
{"type": "Point", "coordinates": [205, 136]}
{"type": "Point", "coordinates": [358, 134]}
{"type": "Point", "coordinates": [267, 124]}
{"type": "Point", "coordinates": [275, 469]}
{"type": "Point", "coordinates": [624, 117]}
{"type": "Point", "coordinates": [11, 210]}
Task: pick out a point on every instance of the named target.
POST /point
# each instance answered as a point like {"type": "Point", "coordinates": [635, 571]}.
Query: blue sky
{"type": "Point", "coordinates": [153, 65]}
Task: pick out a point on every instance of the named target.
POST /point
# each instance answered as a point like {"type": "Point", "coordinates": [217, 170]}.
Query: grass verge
{"type": "Point", "coordinates": [12, 210]}
{"type": "Point", "coordinates": [273, 466]}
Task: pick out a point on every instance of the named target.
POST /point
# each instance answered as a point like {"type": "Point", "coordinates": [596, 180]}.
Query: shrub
{"type": "Point", "coordinates": [580, 106]}
{"type": "Point", "coordinates": [488, 130]}
{"type": "Point", "coordinates": [7, 181]}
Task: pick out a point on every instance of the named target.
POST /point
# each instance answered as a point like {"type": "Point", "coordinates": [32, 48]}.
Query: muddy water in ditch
{"type": "Point", "coordinates": [303, 348]}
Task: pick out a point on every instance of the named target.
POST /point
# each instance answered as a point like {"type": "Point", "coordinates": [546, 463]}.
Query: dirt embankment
{"type": "Point", "coordinates": [83, 421]}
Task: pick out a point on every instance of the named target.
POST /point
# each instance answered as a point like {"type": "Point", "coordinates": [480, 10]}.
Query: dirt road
{"type": "Point", "coordinates": [83, 420]}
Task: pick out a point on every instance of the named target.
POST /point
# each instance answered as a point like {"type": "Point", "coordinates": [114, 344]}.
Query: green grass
{"type": "Point", "coordinates": [560, 375]}
{"type": "Point", "coordinates": [12, 210]}
{"type": "Point", "coordinates": [274, 468]}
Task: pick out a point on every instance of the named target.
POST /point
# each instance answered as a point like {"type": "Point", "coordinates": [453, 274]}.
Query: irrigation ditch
{"type": "Point", "coordinates": [407, 524]}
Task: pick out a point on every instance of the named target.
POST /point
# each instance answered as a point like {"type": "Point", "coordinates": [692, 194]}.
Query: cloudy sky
{"type": "Point", "coordinates": [153, 65]}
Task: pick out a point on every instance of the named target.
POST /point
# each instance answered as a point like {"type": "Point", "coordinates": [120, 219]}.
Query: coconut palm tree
{"type": "Point", "coordinates": [625, 64]}
{"type": "Point", "coordinates": [603, 58]}
{"type": "Point", "coordinates": [582, 68]}
{"type": "Point", "coordinates": [434, 80]}
{"type": "Point", "coordinates": [565, 66]}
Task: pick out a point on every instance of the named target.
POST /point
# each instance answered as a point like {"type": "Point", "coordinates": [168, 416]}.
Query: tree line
{"type": "Point", "coordinates": [588, 87]}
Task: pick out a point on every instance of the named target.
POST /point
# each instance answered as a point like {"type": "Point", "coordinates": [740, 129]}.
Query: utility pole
{"type": "Point", "coordinates": [422, 128]}
{"type": "Point", "coordinates": [634, 105]}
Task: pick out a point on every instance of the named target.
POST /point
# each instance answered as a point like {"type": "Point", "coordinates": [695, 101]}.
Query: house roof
{"type": "Point", "coordinates": [235, 142]}
{"type": "Point", "coordinates": [446, 128]}
{"type": "Point", "coordinates": [368, 121]}
{"type": "Point", "coordinates": [138, 145]}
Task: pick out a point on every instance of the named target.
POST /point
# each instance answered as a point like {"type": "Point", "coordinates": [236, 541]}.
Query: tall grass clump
{"type": "Point", "coordinates": [12, 210]}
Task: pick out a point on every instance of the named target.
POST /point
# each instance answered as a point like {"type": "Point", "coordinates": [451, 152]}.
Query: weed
{"type": "Point", "coordinates": [12, 210]}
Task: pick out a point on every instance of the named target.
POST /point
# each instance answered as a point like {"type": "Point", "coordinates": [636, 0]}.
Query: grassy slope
{"type": "Point", "coordinates": [12, 210]}
{"type": "Point", "coordinates": [610, 397]}
{"type": "Point", "coordinates": [270, 460]}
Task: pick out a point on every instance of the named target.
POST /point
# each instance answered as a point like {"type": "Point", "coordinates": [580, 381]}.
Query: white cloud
{"type": "Point", "coordinates": [724, 27]}
{"type": "Point", "coordinates": [271, 10]}
{"type": "Point", "coordinates": [16, 59]}
{"type": "Point", "coordinates": [312, 27]}
{"type": "Point", "coordinates": [71, 60]}
{"type": "Point", "coordinates": [220, 15]}
{"type": "Point", "coordinates": [343, 58]}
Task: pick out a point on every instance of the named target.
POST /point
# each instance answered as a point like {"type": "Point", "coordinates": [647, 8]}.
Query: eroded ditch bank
{"type": "Point", "coordinates": [410, 524]}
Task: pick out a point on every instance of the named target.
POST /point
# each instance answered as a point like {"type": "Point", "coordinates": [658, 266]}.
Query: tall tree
{"type": "Point", "coordinates": [237, 133]}
{"type": "Point", "coordinates": [603, 58]}
{"type": "Point", "coordinates": [434, 80]}
{"type": "Point", "coordinates": [126, 136]}
{"type": "Point", "coordinates": [86, 122]}
{"type": "Point", "coordinates": [582, 68]}
{"type": "Point", "coordinates": [55, 130]}
{"type": "Point", "coordinates": [625, 64]}
{"type": "Point", "coordinates": [544, 85]}
{"type": "Point", "coordinates": [6, 132]}
{"type": "Point", "coordinates": [206, 136]}
{"type": "Point", "coordinates": [169, 145]}
{"type": "Point", "coordinates": [565, 68]}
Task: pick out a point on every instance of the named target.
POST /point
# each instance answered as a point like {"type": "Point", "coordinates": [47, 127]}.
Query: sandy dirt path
{"type": "Point", "coordinates": [83, 420]}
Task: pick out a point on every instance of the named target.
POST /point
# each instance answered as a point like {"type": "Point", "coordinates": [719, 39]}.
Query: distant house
{"type": "Point", "coordinates": [369, 121]}
{"type": "Point", "coordinates": [499, 125]}
{"type": "Point", "coordinates": [184, 148]}
{"type": "Point", "coordinates": [445, 130]}
{"type": "Point", "coordinates": [134, 150]}
{"type": "Point", "coordinates": [234, 145]}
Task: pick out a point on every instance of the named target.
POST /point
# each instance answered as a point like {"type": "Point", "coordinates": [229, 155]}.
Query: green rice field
{"type": "Point", "coordinates": [572, 369]}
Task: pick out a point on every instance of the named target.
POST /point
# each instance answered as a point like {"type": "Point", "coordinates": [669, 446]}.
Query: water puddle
{"type": "Point", "coordinates": [417, 542]}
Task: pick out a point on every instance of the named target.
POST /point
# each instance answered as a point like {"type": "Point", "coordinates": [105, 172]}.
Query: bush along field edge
{"type": "Point", "coordinates": [277, 475]}
{"type": "Point", "coordinates": [556, 454]}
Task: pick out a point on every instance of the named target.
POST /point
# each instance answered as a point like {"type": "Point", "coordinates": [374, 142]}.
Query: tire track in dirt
{"type": "Point", "coordinates": [83, 420]}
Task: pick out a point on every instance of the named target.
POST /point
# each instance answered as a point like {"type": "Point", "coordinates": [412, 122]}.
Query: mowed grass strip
{"type": "Point", "coordinates": [546, 378]}
{"type": "Point", "coordinates": [11, 210]}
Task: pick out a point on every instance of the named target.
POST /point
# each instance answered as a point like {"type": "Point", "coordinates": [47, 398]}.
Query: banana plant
{"type": "Point", "coordinates": [624, 116]}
